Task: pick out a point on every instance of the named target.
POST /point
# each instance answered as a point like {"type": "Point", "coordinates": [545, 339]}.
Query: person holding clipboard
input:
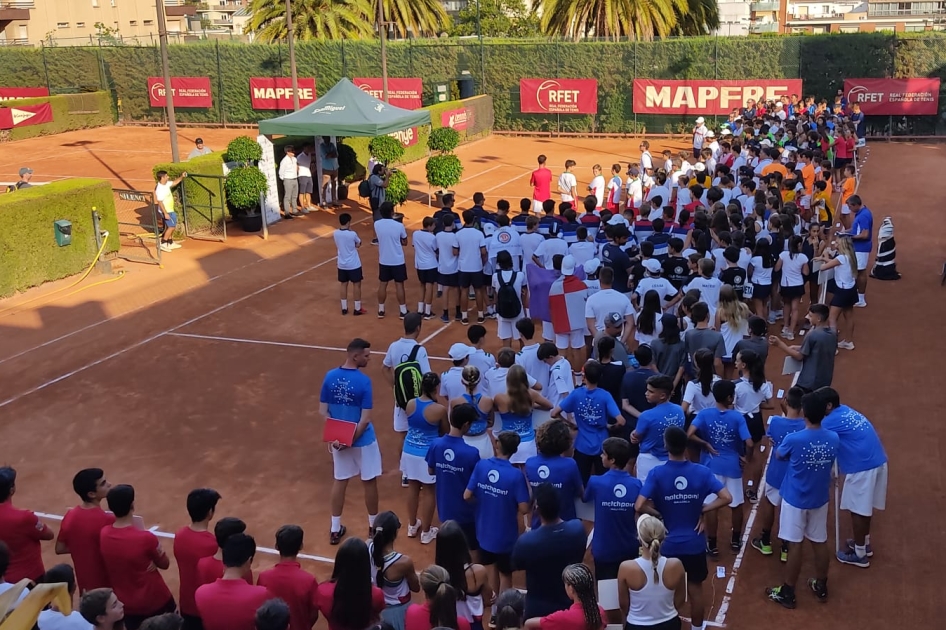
{"type": "Point", "coordinates": [345, 404]}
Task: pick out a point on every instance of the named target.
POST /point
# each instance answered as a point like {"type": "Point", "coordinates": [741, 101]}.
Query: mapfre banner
{"type": "Point", "coordinates": [11, 117]}
{"type": "Point", "coordinates": [716, 98]}
{"type": "Point", "coordinates": [894, 97]}
{"type": "Point", "coordinates": [9, 94]}
{"type": "Point", "coordinates": [404, 93]}
{"type": "Point", "coordinates": [187, 92]}
{"type": "Point", "coordinates": [558, 96]}
{"type": "Point", "coordinates": [276, 92]}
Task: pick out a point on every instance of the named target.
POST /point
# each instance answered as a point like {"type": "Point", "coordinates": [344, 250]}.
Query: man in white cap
{"type": "Point", "coordinates": [451, 381]}
{"type": "Point", "coordinates": [567, 297]}
{"type": "Point", "coordinates": [699, 135]}
{"type": "Point", "coordinates": [652, 281]}
{"type": "Point", "coordinates": [713, 144]}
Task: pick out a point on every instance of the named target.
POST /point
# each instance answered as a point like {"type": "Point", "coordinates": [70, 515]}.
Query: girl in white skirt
{"type": "Point", "coordinates": [478, 435]}
{"type": "Point", "coordinates": [426, 421]}
{"type": "Point", "coordinates": [515, 410]}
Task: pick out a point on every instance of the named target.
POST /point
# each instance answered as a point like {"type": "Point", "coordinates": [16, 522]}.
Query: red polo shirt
{"type": "Point", "coordinates": [21, 531]}
{"type": "Point", "coordinates": [570, 619]}
{"type": "Point", "coordinates": [210, 569]}
{"type": "Point", "coordinates": [298, 588]}
{"type": "Point", "coordinates": [79, 532]}
{"type": "Point", "coordinates": [327, 600]}
{"type": "Point", "coordinates": [230, 604]}
{"type": "Point", "coordinates": [418, 618]}
{"type": "Point", "coordinates": [189, 548]}
{"type": "Point", "coordinates": [541, 184]}
{"type": "Point", "coordinates": [128, 554]}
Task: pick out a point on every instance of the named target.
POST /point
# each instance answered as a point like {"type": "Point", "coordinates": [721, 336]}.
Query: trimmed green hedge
{"type": "Point", "coordinates": [210, 164]}
{"type": "Point", "coordinates": [93, 110]}
{"type": "Point", "coordinates": [29, 255]}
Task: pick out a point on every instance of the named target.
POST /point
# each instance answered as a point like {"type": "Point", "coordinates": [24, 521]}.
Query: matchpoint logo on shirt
{"type": "Point", "coordinates": [544, 472]}
{"type": "Point", "coordinates": [449, 455]}
{"type": "Point", "coordinates": [620, 491]}
{"type": "Point", "coordinates": [680, 483]}
{"type": "Point", "coordinates": [493, 476]}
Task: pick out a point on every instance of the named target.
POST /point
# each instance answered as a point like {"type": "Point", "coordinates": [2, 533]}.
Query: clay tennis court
{"type": "Point", "coordinates": [207, 372]}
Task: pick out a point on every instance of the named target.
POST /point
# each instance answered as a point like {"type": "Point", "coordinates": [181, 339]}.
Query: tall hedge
{"type": "Point", "coordinates": [205, 193]}
{"type": "Point", "coordinates": [99, 114]}
{"type": "Point", "coordinates": [29, 255]}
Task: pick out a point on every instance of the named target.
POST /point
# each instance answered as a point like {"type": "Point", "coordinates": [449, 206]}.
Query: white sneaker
{"type": "Point", "coordinates": [860, 304]}
{"type": "Point", "coordinates": [165, 247]}
{"type": "Point", "coordinates": [175, 245]}
{"type": "Point", "coordinates": [846, 345]}
{"type": "Point", "coordinates": [413, 529]}
{"type": "Point", "coordinates": [787, 334]}
{"type": "Point", "coordinates": [429, 536]}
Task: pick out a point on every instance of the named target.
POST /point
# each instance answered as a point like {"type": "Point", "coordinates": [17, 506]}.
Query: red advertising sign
{"type": "Point", "coordinates": [25, 116]}
{"type": "Point", "coordinates": [894, 97]}
{"type": "Point", "coordinates": [558, 96]}
{"type": "Point", "coordinates": [9, 94]}
{"type": "Point", "coordinates": [455, 118]}
{"type": "Point", "coordinates": [187, 91]}
{"type": "Point", "coordinates": [404, 93]}
{"type": "Point", "coordinates": [407, 137]}
{"type": "Point", "coordinates": [276, 92]}
{"type": "Point", "coordinates": [716, 98]}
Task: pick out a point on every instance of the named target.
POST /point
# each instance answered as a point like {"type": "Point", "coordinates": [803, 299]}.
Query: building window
{"type": "Point", "coordinates": [24, 32]}
{"type": "Point", "coordinates": [825, 9]}
{"type": "Point", "coordinates": [80, 24]}
{"type": "Point", "coordinates": [915, 28]}
{"type": "Point", "coordinates": [849, 29]}
{"type": "Point", "coordinates": [113, 3]}
{"type": "Point", "coordinates": [819, 29]}
{"type": "Point", "coordinates": [133, 22]}
{"type": "Point", "coordinates": [95, 4]}
{"type": "Point", "coordinates": [62, 24]}
{"type": "Point", "coordinates": [149, 22]}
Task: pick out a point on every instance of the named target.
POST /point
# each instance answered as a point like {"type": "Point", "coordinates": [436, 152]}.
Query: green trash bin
{"type": "Point", "coordinates": [63, 231]}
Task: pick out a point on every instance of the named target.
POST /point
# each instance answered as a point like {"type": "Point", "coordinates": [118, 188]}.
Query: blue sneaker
{"type": "Point", "coordinates": [445, 319]}
{"type": "Point", "coordinates": [850, 547]}
{"type": "Point", "coordinates": [851, 558]}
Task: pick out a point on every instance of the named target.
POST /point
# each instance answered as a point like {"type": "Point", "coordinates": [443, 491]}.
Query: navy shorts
{"type": "Point", "coordinates": [471, 279]}
{"type": "Point", "coordinates": [305, 185]}
{"type": "Point", "coordinates": [695, 567]}
{"type": "Point", "coordinates": [350, 275]}
{"type": "Point", "coordinates": [428, 276]}
{"type": "Point", "coordinates": [761, 291]}
{"type": "Point", "coordinates": [469, 530]}
{"type": "Point", "coordinates": [842, 298]}
{"type": "Point", "coordinates": [170, 221]}
{"type": "Point", "coordinates": [392, 273]}
{"type": "Point", "coordinates": [503, 561]}
{"type": "Point", "coordinates": [449, 279]}
{"type": "Point", "coordinates": [792, 293]}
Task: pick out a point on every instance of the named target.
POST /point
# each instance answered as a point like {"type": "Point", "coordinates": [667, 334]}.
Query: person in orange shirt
{"type": "Point", "coordinates": [807, 171]}
{"type": "Point", "coordinates": [847, 187]}
{"type": "Point", "coordinates": [775, 166]}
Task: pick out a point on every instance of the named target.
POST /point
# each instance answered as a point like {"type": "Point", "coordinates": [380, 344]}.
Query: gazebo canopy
{"type": "Point", "coordinates": [345, 110]}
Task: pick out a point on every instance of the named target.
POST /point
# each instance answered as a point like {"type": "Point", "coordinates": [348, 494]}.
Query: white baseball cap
{"type": "Point", "coordinates": [652, 265]}
{"type": "Point", "coordinates": [766, 143]}
{"type": "Point", "coordinates": [710, 134]}
{"type": "Point", "coordinates": [699, 166]}
{"type": "Point", "coordinates": [699, 120]}
{"type": "Point", "coordinates": [591, 266]}
{"type": "Point", "coordinates": [568, 266]}
{"type": "Point", "coordinates": [725, 132]}
{"type": "Point", "coordinates": [460, 351]}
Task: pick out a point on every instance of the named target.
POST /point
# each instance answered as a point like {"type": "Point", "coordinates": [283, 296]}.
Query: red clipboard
{"type": "Point", "coordinates": [339, 431]}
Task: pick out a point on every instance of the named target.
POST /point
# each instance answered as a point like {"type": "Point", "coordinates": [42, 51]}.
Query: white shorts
{"type": "Point", "coordinates": [415, 468]}
{"type": "Point", "coordinates": [845, 209]}
{"type": "Point", "coordinates": [481, 443]}
{"type": "Point", "coordinates": [865, 491]}
{"type": "Point", "coordinates": [537, 207]}
{"type": "Point", "coordinates": [572, 339]}
{"type": "Point", "coordinates": [506, 328]}
{"type": "Point", "coordinates": [646, 463]}
{"type": "Point", "coordinates": [526, 450]}
{"type": "Point", "coordinates": [861, 260]}
{"type": "Point", "coordinates": [795, 524]}
{"type": "Point", "coordinates": [355, 461]}
{"type": "Point", "coordinates": [400, 420]}
{"type": "Point", "coordinates": [548, 333]}
{"type": "Point", "coordinates": [772, 495]}
{"type": "Point", "coordinates": [734, 485]}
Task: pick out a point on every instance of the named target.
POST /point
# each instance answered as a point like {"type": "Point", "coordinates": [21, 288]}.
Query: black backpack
{"type": "Point", "coordinates": [364, 189]}
{"type": "Point", "coordinates": [407, 379]}
{"type": "Point", "coordinates": [508, 305]}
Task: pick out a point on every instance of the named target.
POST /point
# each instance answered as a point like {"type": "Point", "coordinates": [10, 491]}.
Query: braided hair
{"type": "Point", "coordinates": [579, 577]}
{"type": "Point", "coordinates": [651, 534]}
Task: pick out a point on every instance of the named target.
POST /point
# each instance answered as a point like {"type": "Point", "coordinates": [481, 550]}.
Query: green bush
{"type": "Point", "coordinates": [443, 140]}
{"type": "Point", "coordinates": [444, 171]}
{"type": "Point", "coordinates": [243, 186]}
{"type": "Point", "coordinates": [243, 149]}
{"type": "Point", "coordinates": [386, 149]}
{"type": "Point", "coordinates": [398, 188]}
{"type": "Point", "coordinates": [29, 255]}
{"type": "Point", "coordinates": [347, 162]}
{"type": "Point", "coordinates": [205, 193]}
{"type": "Point", "coordinates": [92, 110]}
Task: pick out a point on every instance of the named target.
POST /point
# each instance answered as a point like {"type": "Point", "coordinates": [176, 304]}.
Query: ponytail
{"type": "Point", "coordinates": [429, 384]}
{"type": "Point", "coordinates": [579, 577]}
{"type": "Point", "coordinates": [441, 597]}
{"type": "Point", "coordinates": [655, 558]}
{"type": "Point", "coordinates": [386, 526]}
{"type": "Point", "coordinates": [651, 533]}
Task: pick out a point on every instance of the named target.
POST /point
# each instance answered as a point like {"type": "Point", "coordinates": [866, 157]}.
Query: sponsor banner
{"type": "Point", "coordinates": [558, 96]}
{"type": "Point", "coordinates": [407, 137]}
{"type": "Point", "coordinates": [894, 97]}
{"type": "Point", "coordinates": [187, 91]}
{"type": "Point", "coordinates": [25, 116]}
{"type": "Point", "coordinates": [404, 93]}
{"type": "Point", "coordinates": [276, 92]}
{"type": "Point", "coordinates": [715, 98]}
{"type": "Point", "coordinates": [458, 119]}
{"type": "Point", "coordinates": [9, 94]}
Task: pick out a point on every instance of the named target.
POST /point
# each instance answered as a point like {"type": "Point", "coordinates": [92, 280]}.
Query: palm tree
{"type": "Point", "coordinates": [613, 19]}
{"type": "Point", "coordinates": [312, 19]}
{"type": "Point", "coordinates": [419, 18]}
{"type": "Point", "coordinates": [700, 17]}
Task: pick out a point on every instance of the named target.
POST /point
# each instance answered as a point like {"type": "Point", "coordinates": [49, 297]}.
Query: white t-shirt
{"type": "Point", "coordinates": [614, 190]}
{"type": "Point", "coordinates": [549, 248]}
{"type": "Point", "coordinates": [582, 251]}
{"type": "Point", "coordinates": [660, 191]}
{"type": "Point", "coordinates": [469, 242]}
{"type": "Point", "coordinates": [760, 275]}
{"type": "Point", "coordinates": [538, 370]}
{"type": "Point", "coordinates": [699, 133]}
{"type": "Point", "coordinates": [529, 242]}
{"type": "Point", "coordinates": [709, 292]}
{"type": "Point", "coordinates": [642, 337]}
{"type": "Point", "coordinates": [597, 189]}
{"type": "Point", "coordinates": [516, 282]}
{"type": "Point", "coordinates": [567, 181]}
{"type": "Point", "coordinates": [662, 286]}
{"type": "Point", "coordinates": [347, 242]}
{"type": "Point", "coordinates": [304, 161]}
{"type": "Point", "coordinates": [693, 395]}
{"type": "Point", "coordinates": [390, 234]}
{"type": "Point", "coordinates": [604, 302]}
{"type": "Point", "coordinates": [447, 261]}
{"type": "Point", "coordinates": [451, 383]}
{"type": "Point", "coordinates": [425, 250]}
{"type": "Point", "coordinates": [53, 620]}
{"type": "Point", "coordinates": [561, 381]}
{"type": "Point", "coordinates": [399, 351]}
{"type": "Point", "coordinates": [647, 161]}
{"type": "Point", "coordinates": [635, 191]}
{"type": "Point", "coordinates": [162, 192]}
{"type": "Point", "coordinates": [508, 239]}
{"type": "Point", "coordinates": [748, 399]}
{"type": "Point", "coordinates": [495, 381]}
{"type": "Point", "coordinates": [792, 269]}
{"type": "Point", "coordinates": [842, 273]}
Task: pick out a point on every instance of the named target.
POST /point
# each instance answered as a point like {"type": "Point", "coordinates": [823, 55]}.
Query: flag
{"type": "Point", "coordinates": [540, 281]}
{"type": "Point", "coordinates": [567, 297]}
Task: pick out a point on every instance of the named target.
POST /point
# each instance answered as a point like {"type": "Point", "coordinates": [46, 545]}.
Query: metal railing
{"type": "Point", "coordinates": [762, 7]}
{"type": "Point", "coordinates": [764, 27]}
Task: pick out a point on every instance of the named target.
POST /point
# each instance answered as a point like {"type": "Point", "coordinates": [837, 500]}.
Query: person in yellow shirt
{"type": "Point", "coordinates": [847, 188]}
{"type": "Point", "coordinates": [788, 190]}
{"type": "Point", "coordinates": [821, 202]}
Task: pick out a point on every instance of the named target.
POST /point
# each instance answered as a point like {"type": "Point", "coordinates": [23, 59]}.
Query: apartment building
{"type": "Point", "coordinates": [846, 16]}
{"type": "Point", "coordinates": [229, 16]}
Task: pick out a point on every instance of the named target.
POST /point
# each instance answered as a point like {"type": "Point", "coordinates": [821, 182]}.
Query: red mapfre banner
{"type": "Point", "coordinates": [716, 98]}
{"type": "Point", "coordinates": [456, 118]}
{"type": "Point", "coordinates": [894, 97]}
{"type": "Point", "coordinates": [9, 94]}
{"type": "Point", "coordinates": [25, 116]}
{"type": "Point", "coordinates": [276, 92]}
{"type": "Point", "coordinates": [407, 137]}
{"type": "Point", "coordinates": [404, 93]}
{"type": "Point", "coordinates": [187, 91]}
{"type": "Point", "coordinates": [558, 96]}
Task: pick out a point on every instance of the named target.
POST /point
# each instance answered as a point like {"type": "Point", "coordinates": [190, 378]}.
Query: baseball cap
{"type": "Point", "coordinates": [652, 265]}
{"type": "Point", "coordinates": [699, 166]}
{"type": "Point", "coordinates": [25, 170]}
{"type": "Point", "coordinates": [591, 266]}
{"type": "Point", "coordinates": [710, 134]}
{"type": "Point", "coordinates": [460, 351]}
{"type": "Point", "coordinates": [617, 220]}
{"type": "Point", "coordinates": [199, 141]}
{"type": "Point", "coordinates": [568, 266]}
{"type": "Point", "coordinates": [725, 132]}
{"type": "Point", "coordinates": [699, 120]}
{"type": "Point", "coordinates": [615, 319]}
{"type": "Point", "coordinates": [766, 143]}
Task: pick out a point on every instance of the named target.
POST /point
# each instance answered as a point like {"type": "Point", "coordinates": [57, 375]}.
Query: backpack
{"type": "Point", "coordinates": [508, 305]}
{"type": "Point", "coordinates": [364, 189]}
{"type": "Point", "coordinates": [407, 379]}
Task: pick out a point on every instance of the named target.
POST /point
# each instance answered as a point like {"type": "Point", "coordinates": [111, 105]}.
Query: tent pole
{"type": "Point", "coordinates": [292, 57]}
{"type": "Point", "coordinates": [384, 51]}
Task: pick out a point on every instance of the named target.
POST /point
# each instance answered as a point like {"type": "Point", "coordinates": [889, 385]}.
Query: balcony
{"type": "Point", "coordinates": [17, 41]}
{"type": "Point", "coordinates": [17, 4]}
{"type": "Point", "coordinates": [763, 27]}
{"type": "Point", "coordinates": [764, 7]}
{"type": "Point", "coordinates": [180, 11]}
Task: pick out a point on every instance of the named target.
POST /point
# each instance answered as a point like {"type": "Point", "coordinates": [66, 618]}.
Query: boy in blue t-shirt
{"type": "Point", "coordinates": [811, 454]}
{"type": "Point", "coordinates": [722, 434]}
{"type": "Point", "coordinates": [652, 423]}
{"type": "Point", "coordinates": [451, 461]}
{"type": "Point", "coordinates": [551, 466]}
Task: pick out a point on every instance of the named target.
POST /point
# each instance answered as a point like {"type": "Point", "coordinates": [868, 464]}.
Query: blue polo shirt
{"type": "Point", "coordinates": [452, 461]}
{"type": "Point", "coordinates": [811, 454]}
{"type": "Point", "coordinates": [499, 488]}
{"type": "Point", "coordinates": [593, 408]}
{"type": "Point", "coordinates": [727, 432]}
{"type": "Point", "coordinates": [779, 428]}
{"type": "Point", "coordinates": [863, 222]}
{"type": "Point", "coordinates": [347, 392]}
{"type": "Point", "coordinates": [860, 447]}
{"type": "Point", "coordinates": [651, 426]}
{"type": "Point", "coordinates": [613, 495]}
{"type": "Point", "coordinates": [678, 490]}
{"type": "Point", "coordinates": [563, 475]}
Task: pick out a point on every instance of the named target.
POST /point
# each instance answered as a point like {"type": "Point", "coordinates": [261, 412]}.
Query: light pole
{"type": "Point", "coordinates": [479, 34]}
{"type": "Point", "coordinates": [166, 67]}
{"type": "Point", "coordinates": [384, 51]}
{"type": "Point", "coordinates": [292, 56]}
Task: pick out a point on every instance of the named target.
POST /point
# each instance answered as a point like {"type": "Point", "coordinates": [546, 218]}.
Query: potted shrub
{"type": "Point", "coordinates": [386, 149]}
{"type": "Point", "coordinates": [398, 188]}
{"type": "Point", "coordinates": [347, 167]}
{"type": "Point", "coordinates": [444, 168]}
{"type": "Point", "coordinates": [243, 186]}
{"type": "Point", "coordinates": [243, 150]}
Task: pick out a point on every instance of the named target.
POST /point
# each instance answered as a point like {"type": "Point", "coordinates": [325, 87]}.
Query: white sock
{"type": "Point", "coordinates": [371, 518]}
{"type": "Point", "coordinates": [440, 288]}
{"type": "Point", "coordinates": [357, 305]}
{"type": "Point", "coordinates": [702, 626]}
{"type": "Point", "coordinates": [528, 314]}
{"type": "Point", "coordinates": [860, 297]}
{"type": "Point", "coordinates": [480, 313]}
{"type": "Point", "coordinates": [336, 524]}
{"type": "Point", "coordinates": [860, 551]}
{"type": "Point", "coordinates": [427, 308]}
{"type": "Point", "coordinates": [403, 308]}
{"type": "Point", "coordinates": [866, 540]}
{"type": "Point", "coordinates": [380, 308]}
{"type": "Point", "coordinates": [344, 305]}
{"type": "Point", "coordinates": [420, 307]}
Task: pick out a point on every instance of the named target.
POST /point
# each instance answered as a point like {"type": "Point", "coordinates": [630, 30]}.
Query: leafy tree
{"type": "Point", "coordinates": [421, 18]}
{"type": "Point", "coordinates": [312, 19]}
{"type": "Point", "coordinates": [498, 18]}
{"type": "Point", "coordinates": [700, 17]}
{"type": "Point", "coordinates": [612, 19]}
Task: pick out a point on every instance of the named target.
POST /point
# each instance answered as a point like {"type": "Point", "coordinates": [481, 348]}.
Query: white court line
{"type": "Point", "coordinates": [508, 181]}
{"type": "Point", "coordinates": [157, 532]}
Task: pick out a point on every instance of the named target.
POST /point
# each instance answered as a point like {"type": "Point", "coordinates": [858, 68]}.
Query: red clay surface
{"type": "Point", "coordinates": [111, 377]}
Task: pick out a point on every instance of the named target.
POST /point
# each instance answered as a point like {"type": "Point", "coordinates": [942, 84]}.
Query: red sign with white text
{"type": "Point", "coordinates": [404, 93]}
{"type": "Point", "coordinates": [456, 118]}
{"type": "Point", "coordinates": [407, 137]}
{"type": "Point", "coordinates": [276, 92]}
{"type": "Point", "coordinates": [9, 94]}
{"type": "Point", "coordinates": [25, 115]}
{"type": "Point", "coordinates": [894, 97]}
{"type": "Point", "coordinates": [187, 92]}
{"type": "Point", "coordinates": [558, 96]}
{"type": "Point", "coordinates": [716, 98]}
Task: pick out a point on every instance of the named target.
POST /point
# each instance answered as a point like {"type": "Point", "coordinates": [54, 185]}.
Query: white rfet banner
{"type": "Point", "coordinates": [267, 164]}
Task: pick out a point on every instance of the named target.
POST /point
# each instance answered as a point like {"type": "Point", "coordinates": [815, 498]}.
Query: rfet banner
{"type": "Point", "coordinates": [458, 119]}
{"type": "Point", "coordinates": [716, 98]}
{"type": "Point", "coordinates": [276, 92]}
{"type": "Point", "coordinates": [404, 93]}
{"type": "Point", "coordinates": [894, 97]}
{"type": "Point", "coordinates": [9, 94]}
{"type": "Point", "coordinates": [407, 137]}
{"type": "Point", "coordinates": [187, 91]}
{"type": "Point", "coordinates": [26, 115]}
{"type": "Point", "coordinates": [558, 96]}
